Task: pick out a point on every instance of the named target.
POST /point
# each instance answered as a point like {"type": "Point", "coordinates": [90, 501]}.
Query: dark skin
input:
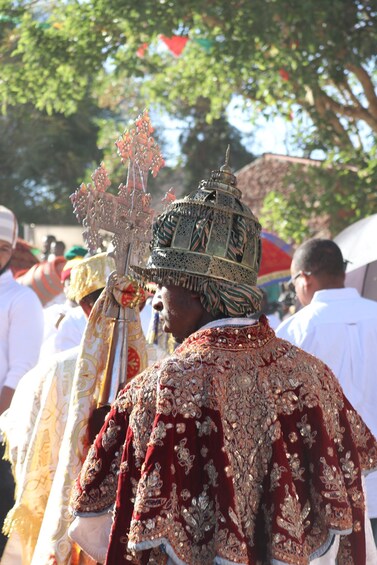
{"type": "Point", "coordinates": [307, 284]}
{"type": "Point", "coordinates": [181, 311]}
{"type": "Point", "coordinates": [6, 251]}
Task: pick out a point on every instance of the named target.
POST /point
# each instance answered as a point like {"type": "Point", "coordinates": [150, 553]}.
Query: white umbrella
{"type": "Point", "coordinates": [358, 242]}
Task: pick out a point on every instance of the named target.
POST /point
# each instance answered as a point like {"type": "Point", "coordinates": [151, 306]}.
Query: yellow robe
{"type": "Point", "coordinates": [46, 429]}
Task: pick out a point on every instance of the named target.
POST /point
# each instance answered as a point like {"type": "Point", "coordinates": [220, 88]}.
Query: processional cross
{"type": "Point", "coordinates": [128, 217]}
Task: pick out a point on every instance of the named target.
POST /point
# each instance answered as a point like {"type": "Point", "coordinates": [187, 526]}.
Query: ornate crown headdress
{"type": "Point", "coordinates": [209, 234]}
{"type": "Point", "coordinates": [88, 275]}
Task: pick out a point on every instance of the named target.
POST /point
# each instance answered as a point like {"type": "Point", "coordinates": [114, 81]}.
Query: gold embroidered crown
{"type": "Point", "coordinates": [90, 274]}
{"type": "Point", "coordinates": [209, 234]}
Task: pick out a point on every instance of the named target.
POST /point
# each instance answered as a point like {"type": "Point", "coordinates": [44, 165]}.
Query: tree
{"type": "Point", "coordinates": [43, 158]}
{"type": "Point", "coordinates": [203, 145]}
{"type": "Point", "coordinates": [292, 57]}
{"type": "Point", "coordinates": [327, 195]}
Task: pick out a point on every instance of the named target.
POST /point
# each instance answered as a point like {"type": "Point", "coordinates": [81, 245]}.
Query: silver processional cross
{"type": "Point", "coordinates": [128, 217]}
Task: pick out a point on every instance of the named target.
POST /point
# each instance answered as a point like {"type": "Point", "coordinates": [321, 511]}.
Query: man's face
{"type": "Point", "coordinates": [5, 253]}
{"type": "Point", "coordinates": [179, 309]}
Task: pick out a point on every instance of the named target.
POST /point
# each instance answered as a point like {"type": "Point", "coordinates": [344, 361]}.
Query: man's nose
{"type": "Point", "coordinates": [156, 302]}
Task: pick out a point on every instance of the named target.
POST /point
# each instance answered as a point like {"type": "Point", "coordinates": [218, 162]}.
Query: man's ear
{"type": "Point", "coordinates": [310, 285]}
{"type": "Point", "coordinates": [307, 280]}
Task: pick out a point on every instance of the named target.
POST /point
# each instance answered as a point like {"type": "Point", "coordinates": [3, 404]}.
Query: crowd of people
{"type": "Point", "coordinates": [240, 438]}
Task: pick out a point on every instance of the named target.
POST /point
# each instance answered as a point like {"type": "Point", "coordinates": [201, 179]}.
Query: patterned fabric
{"type": "Point", "coordinates": [209, 242]}
{"type": "Point", "coordinates": [89, 275]}
{"type": "Point", "coordinates": [239, 447]}
{"type": "Point", "coordinates": [49, 450]}
{"type": "Point", "coordinates": [217, 295]}
{"type": "Point", "coordinates": [33, 441]}
{"type": "Point", "coordinates": [44, 279]}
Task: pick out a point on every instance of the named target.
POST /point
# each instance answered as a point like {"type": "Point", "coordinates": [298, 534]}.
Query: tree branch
{"type": "Point", "coordinates": [330, 117]}
{"type": "Point", "coordinates": [345, 88]}
{"type": "Point", "coordinates": [368, 86]}
{"type": "Point", "coordinates": [357, 113]}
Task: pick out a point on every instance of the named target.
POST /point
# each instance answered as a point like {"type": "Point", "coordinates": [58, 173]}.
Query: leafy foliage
{"type": "Point", "coordinates": [42, 160]}
{"type": "Point", "coordinates": [294, 58]}
{"type": "Point", "coordinates": [337, 191]}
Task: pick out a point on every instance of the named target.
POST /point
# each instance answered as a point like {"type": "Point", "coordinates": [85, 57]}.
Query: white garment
{"type": "Point", "coordinates": [340, 328]}
{"type": "Point", "coordinates": [71, 329]}
{"type": "Point", "coordinates": [273, 320]}
{"type": "Point", "coordinates": [21, 330]}
{"type": "Point", "coordinates": [13, 551]}
{"type": "Point", "coordinates": [42, 396]}
{"type": "Point", "coordinates": [145, 316]}
{"type": "Point", "coordinates": [53, 316]}
{"type": "Point", "coordinates": [92, 534]}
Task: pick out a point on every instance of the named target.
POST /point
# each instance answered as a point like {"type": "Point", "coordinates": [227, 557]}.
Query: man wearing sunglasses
{"type": "Point", "coordinates": [339, 327]}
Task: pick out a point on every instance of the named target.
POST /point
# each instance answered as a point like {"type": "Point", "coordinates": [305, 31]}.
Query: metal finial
{"type": "Point", "coordinates": [227, 154]}
{"type": "Point", "coordinates": [226, 168]}
{"type": "Point", "coordinates": [222, 179]}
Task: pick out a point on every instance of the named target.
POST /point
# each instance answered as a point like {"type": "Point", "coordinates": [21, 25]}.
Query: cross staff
{"type": "Point", "coordinates": [128, 217]}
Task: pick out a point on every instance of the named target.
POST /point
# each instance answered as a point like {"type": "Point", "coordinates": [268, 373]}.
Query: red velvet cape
{"type": "Point", "coordinates": [239, 447]}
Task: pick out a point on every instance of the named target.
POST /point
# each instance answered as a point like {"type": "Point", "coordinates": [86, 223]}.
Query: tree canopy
{"type": "Point", "coordinates": [312, 61]}
{"type": "Point", "coordinates": [42, 160]}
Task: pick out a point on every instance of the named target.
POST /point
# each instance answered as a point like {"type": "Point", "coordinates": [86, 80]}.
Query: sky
{"type": "Point", "coordinates": [259, 136]}
{"type": "Point", "coordinates": [262, 136]}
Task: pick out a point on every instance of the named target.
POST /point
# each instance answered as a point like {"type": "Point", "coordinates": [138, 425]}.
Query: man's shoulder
{"type": "Point", "coordinates": [302, 370]}
{"type": "Point", "coordinates": [299, 320]}
{"type": "Point", "coordinates": [368, 304]}
{"type": "Point", "coordinates": [343, 304]}
{"type": "Point", "coordinates": [23, 294]}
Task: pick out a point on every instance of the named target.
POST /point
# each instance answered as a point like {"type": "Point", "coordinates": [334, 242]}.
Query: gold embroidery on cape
{"type": "Point", "coordinates": [306, 431]}
{"type": "Point", "coordinates": [109, 438]}
{"type": "Point", "coordinates": [349, 469]}
{"type": "Point", "coordinates": [149, 491]}
{"type": "Point", "coordinates": [183, 455]}
{"type": "Point", "coordinates": [275, 475]}
{"type": "Point", "coordinates": [210, 371]}
{"type": "Point", "coordinates": [292, 518]}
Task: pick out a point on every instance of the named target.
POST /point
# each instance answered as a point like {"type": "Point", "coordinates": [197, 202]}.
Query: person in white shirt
{"type": "Point", "coordinates": [62, 332]}
{"type": "Point", "coordinates": [339, 327]}
{"type": "Point", "coordinates": [21, 334]}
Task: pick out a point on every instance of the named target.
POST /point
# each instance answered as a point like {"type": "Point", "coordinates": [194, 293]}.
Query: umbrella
{"type": "Point", "coordinates": [358, 243]}
{"type": "Point", "coordinates": [364, 279]}
{"type": "Point", "coordinates": [276, 260]}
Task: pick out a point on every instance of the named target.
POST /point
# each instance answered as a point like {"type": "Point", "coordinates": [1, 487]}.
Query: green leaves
{"type": "Point", "coordinates": [313, 56]}
{"type": "Point", "coordinates": [43, 159]}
